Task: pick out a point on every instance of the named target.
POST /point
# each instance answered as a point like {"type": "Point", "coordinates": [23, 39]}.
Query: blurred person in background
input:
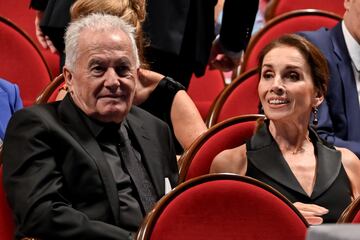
{"type": "Point", "coordinates": [10, 101]}
{"type": "Point", "coordinates": [339, 114]}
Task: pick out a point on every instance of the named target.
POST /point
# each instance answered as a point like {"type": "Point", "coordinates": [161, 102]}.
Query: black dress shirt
{"type": "Point", "coordinates": [131, 211]}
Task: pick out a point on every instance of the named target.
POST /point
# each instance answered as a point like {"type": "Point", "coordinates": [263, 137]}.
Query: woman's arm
{"type": "Point", "coordinates": [230, 161]}
{"type": "Point", "coordinates": [351, 164]}
{"type": "Point", "coordinates": [186, 119]}
{"type": "Point", "coordinates": [174, 101]}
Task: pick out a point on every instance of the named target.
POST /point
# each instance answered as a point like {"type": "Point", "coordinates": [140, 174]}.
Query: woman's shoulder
{"type": "Point", "coordinates": [351, 165]}
{"type": "Point", "coordinates": [348, 157]}
{"type": "Point", "coordinates": [230, 161]}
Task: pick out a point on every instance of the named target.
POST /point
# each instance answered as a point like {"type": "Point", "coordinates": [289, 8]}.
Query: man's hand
{"type": "Point", "coordinates": [221, 59]}
{"type": "Point", "coordinates": [44, 40]}
{"type": "Point", "coordinates": [311, 212]}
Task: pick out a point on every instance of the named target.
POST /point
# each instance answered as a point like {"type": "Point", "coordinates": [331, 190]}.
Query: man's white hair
{"type": "Point", "coordinates": [96, 22]}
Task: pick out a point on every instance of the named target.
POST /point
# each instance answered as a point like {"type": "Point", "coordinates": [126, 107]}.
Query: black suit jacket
{"type": "Point", "coordinates": [57, 180]}
{"type": "Point", "coordinates": [339, 114]}
{"type": "Point", "coordinates": [186, 27]}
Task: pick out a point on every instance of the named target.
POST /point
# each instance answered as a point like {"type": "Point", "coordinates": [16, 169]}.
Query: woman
{"type": "Point", "coordinates": [10, 101]}
{"type": "Point", "coordinates": [159, 95]}
{"type": "Point", "coordinates": [284, 152]}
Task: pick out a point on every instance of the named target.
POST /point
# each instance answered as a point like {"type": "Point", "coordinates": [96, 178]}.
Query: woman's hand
{"type": "Point", "coordinates": [311, 212]}
{"type": "Point", "coordinates": [147, 82]}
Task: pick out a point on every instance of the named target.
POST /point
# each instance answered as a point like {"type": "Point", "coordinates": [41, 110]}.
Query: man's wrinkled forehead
{"type": "Point", "coordinates": [104, 42]}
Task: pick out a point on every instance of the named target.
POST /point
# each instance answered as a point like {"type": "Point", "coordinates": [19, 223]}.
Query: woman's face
{"type": "Point", "coordinates": [286, 88]}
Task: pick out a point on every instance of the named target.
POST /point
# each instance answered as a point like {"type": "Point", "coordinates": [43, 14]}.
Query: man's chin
{"type": "Point", "coordinates": [114, 115]}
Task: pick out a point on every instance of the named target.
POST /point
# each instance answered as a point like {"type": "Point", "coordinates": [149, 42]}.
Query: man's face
{"type": "Point", "coordinates": [102, 83]}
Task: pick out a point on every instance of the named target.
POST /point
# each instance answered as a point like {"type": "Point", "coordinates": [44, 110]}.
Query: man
{"type": "Point", "coordinates": [339, 115]}
{"type": "Point", "coordinates": [90, 166]}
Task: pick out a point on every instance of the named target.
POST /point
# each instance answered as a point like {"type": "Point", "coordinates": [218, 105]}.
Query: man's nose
{"type": "Point", "coordinates": [112, 79]}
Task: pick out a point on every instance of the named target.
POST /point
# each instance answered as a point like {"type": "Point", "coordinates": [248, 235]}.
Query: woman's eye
{"type": "Point", "coordinates": [267, 75]}
{"type": "Point", "coordinates": [293, 76]}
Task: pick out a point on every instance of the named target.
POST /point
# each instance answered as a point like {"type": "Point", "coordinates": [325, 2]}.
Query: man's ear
{"type": "Point", "coordinates": [68, 77]}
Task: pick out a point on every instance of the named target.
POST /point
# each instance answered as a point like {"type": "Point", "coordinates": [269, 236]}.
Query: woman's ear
{"type": "Point", "coordinates": [318, 98]}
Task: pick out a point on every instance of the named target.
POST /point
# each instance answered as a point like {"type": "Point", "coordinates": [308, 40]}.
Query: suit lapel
{"type": "Point", "coordinates": [149, 155]}
{"type": "Point", "coordinates": [76, 127]}
{"type": "Point", "coordinates": [344, 67]}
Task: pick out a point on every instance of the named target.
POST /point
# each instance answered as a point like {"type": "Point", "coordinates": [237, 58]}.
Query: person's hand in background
{"type": "Point", "coordinates": [44, 40]}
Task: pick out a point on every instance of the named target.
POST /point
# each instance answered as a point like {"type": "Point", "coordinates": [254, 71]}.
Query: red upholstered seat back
{"type": "Point", "coordinates": [204, 90]}
{"type": "Point", "coordinates": [279, 7]}
{"type": "Point", "coordinates": [51, 91]}
{"type": "Point", "coordinates": [352, 213]}
{"type": "Point", "coordinates": [18, 12]}
{"type": "Point", "coordinates": [357, 217]}
{"type": "Point", "coordinates": [238, 98]}
{"type": "Point", "coordinates": [223, 206]}
{"type": "Point", "coordinates": [196, 161]}
{"type": "Point", "coordinates": [21, 62]}
{"type": "Point", "coordinates": [6, 220]}
{"type": "Point", "coordinates": [295, 21]}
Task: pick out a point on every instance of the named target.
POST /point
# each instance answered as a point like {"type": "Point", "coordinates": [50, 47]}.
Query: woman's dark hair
{"type": "Point", "coordinates": [317, 62]}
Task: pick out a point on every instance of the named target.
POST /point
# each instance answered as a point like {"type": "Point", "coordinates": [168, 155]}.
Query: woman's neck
{"type": "Point", "coordinates": [291, 137]}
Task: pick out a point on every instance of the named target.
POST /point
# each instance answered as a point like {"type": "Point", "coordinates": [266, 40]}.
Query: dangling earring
{"type": "Point", "coordinates": [315, 119]}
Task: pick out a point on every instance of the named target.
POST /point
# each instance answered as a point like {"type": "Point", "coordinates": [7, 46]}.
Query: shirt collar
{"type": "Point", "coordinates": [353, 47]}
{"type": "Point", "coordinates": [94, 126]}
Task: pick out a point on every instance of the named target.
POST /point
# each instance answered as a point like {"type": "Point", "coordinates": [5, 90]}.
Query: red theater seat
{"type": "Point", "coordinates": [291, 22]}
{"type": "Point", "coordinates": [278, 7]}
{"type": "Point", "coordinates": [238, 98]}
{"type": "Point", "coordinates": [352, 213]}
{"type": "Point", "coordinates": [233, 132]}
{"type": "Point", "coordinates": [51, 91]}
{"type": "Point", "coordinates": [6, 218]}
{"type": "Point", "coordinates": [18, 12]}
{"type": "Point", "coordinates": [21, 62]}
{"type": "Point", "coordinates": [204, 90]}
{"type": "Point", "coordinates": [223, 206]}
